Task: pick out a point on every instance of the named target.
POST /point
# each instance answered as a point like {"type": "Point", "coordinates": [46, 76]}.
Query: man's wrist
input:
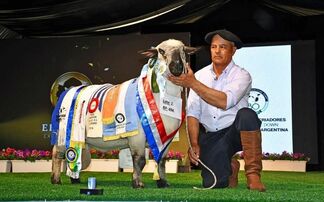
{"type": "Point", "coordinates": [193, 84]}
{"type": "Point", "coordinates": [195, 144]}
{"type": "Point", "coordinates": [196, 86]}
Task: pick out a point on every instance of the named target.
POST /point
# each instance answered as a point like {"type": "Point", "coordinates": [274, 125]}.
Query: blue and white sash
{"type": "Point", "coordinates": [121, 120]}
{"type": "Point", "coordinates": [56, 118]}
{"type": "Point", "coordinates": [65, 115]}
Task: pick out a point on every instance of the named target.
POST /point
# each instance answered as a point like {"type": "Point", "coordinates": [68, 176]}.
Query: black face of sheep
{"type": "Point", "coordinates": [173, 53]}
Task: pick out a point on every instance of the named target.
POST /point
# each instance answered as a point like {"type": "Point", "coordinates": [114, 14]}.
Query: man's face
{"type": "Point", "coordinates": [221, 51]}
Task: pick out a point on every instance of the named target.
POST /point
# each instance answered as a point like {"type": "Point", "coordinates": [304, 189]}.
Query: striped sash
{"type": "Point", "coordinates": [79, 120]}
{"type": "Point", "coordinates": [119, 111]}
{"type": "Point", "coordinates": [75, 141]}
{"type": "Point", "coordinates": [94, 112]}
{"type": "Point", "coordinates": [66, 113]}
{"type": "Point", "coordinates": [151, 119]}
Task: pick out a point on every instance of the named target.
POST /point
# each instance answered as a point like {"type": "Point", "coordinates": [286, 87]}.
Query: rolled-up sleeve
{"type": "Point", "coordinates": [237, 88]}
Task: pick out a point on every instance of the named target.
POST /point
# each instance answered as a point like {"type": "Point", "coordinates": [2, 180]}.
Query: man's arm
{"type": "Point", "coordinates": [209, 95]}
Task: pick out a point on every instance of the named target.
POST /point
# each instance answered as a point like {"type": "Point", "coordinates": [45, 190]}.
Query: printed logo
{"type": "Point", "coordinates": [62, 114]}
{"type": "Point", "coordinates": [71, 155]}
{"type": "Point", "coordinates": [258, 100]}
{"type": "Point", "coordinates": [120, 118]}
{"type": "Point", "coordinates": [93, 105]}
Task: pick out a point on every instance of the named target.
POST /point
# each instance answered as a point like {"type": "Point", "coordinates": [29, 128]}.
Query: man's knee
{"type": "Point", "coordinates": [246, 113]}
{"type": "Point", "coordinates": [247, 120]}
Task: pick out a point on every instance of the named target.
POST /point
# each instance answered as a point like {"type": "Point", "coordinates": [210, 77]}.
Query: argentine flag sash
{"type": "Point", "coordinates": [150, 118]}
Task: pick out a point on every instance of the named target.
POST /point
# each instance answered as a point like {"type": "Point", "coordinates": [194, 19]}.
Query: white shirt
{"type": "Point", "coordinates": [235, 82]}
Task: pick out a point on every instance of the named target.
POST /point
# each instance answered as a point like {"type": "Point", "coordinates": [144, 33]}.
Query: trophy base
{"type": "Point", "coordinates": [91, 191]}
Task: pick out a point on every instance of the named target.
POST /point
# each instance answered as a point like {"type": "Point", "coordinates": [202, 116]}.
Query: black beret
{"type": "Point", "coordinates": [227, 35]}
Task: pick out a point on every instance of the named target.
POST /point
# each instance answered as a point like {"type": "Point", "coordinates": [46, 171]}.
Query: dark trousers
{"type": "Point", "coordinates": [217, 148]}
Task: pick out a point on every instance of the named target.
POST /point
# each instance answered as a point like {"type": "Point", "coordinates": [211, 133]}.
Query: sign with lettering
{"type": "Point", "coordinates": [170, 105]}
{"type": "Point", "coordinates": [270, 100]}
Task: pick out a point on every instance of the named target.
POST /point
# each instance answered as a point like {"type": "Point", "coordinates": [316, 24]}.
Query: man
{"type": "Point", "coordinates": [219, 122]}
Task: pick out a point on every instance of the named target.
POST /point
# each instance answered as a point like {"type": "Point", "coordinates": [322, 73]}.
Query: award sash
{"type": "Point", "coordinates": [150, 118]}
{"type": "Point", "coordinates": [119, 111]}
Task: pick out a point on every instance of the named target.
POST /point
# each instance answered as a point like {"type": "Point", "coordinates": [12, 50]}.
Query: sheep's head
{"type": "Point", "coordinates": [172, 56]}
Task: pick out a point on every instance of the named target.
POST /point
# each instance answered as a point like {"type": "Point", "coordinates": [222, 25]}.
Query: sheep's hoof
{"type": "Point", "coordinates": [162, 184]}
{"type": "Point", "coordinates": [75, 181]}
{"type": "Point", "coordinates": [137, 185]}
{"type": "Point", "coordinates": [55, 181]}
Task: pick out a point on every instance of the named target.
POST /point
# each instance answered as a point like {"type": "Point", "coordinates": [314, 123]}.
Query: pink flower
{"type": "Point", "coordinates": [20, 154]}
{"type": "Point", "coordinates": [10, 150]}
{"type": "Point", "coordinates": [276, 156]}
{"type": "Point", "coordinates": [26, 154]}
{"type": "Point", "coordinates": [175, 155]}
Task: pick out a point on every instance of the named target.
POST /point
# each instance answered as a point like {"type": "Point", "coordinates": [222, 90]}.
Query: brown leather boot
{"type": "Point", "coordinates": [233, 179]}
{"type": "Point", "coordinates": [251, 143]}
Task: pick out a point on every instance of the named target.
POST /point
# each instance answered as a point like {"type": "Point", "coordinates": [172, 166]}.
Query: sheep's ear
{"type": "Point", "coordinates": [149, 52]}
{"type": "Point", "coordinates": [162, 52]}
{"type": "Point", "coordinates": [191, 50]}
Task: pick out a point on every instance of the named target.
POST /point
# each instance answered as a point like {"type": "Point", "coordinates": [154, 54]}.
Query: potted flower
{"type": "Point", "coordinates": [285, 161]}
{"type": "Point", "coordinates": [32, 155]}
{"type": "Point", "coordinates": [5, 156]}
{"type": "Point", "coordinates": [285, 156]}
{"type": "Point", "coordinates": [27, 160]}
{"type": "Point", "coordinates": [27, 154]}
{"type": "Point", "coordinates": [96, 154]}
{"type": "Point", "coordinates": [171, 155]}
{"type": "Point", "coordinates": [173, 158]}
{"type": "Point", "coordinates": [103, 161]}
{"type": "Point", "coordinates": [175, 155]}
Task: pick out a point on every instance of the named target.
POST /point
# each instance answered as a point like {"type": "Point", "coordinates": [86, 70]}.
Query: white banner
{"type": "Point", "coordinates": [270, 97]}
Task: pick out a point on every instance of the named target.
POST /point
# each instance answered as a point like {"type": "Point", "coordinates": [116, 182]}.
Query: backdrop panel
{"type": "Point", "coordinates": [31, 67]}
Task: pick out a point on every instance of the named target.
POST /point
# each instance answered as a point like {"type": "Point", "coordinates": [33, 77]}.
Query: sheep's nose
{"type": "Point", "coordinates": [176, 67]}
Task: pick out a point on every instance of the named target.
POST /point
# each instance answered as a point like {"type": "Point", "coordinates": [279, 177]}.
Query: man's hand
{"type": "Point", "coordinates": [185, 80]}
{"type": "Point", "coordinates": [194, 153]}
